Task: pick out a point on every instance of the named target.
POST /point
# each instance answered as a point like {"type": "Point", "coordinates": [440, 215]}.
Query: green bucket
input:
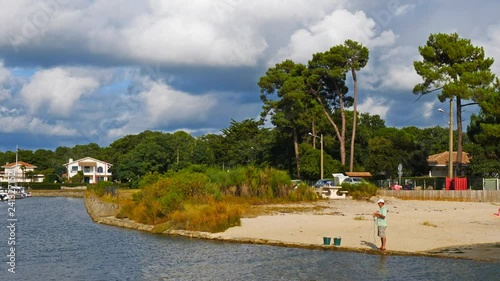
{"type": "Point", "coordinates": [336, 241]}
{"type": "Point", "coordinates": [327, 240]}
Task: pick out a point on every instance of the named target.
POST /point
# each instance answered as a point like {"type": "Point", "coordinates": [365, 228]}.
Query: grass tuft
{"type": "Point", "coordinates": [426, 223]}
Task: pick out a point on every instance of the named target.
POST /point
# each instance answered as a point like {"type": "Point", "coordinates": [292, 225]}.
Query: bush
{"type": "Point", "coordinates": [211, 217]}
{"type": "Point", "coordinates": [364, 190]}
{"type": "Point", "coordinates": [252, 182]}
{"type": "Point", "coordinates": [303, 192]}
{"type": "Point", "coordinates": [192, 200]}
{"type": "Point", "coordinates": [149, 179]}
{"type": "Point", "coordinates": [171, 201]}
{"type": "Point", "coordinates": [99, 189]}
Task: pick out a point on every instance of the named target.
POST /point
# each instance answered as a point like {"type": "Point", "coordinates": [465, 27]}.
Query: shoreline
{"type": "Point", "coordinates": [58, 193]}
{"type": "Point", "coordinates": [453, 229]}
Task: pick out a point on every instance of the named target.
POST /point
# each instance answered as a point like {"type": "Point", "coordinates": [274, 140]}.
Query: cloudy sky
{"type": "Point", "coordinates": [80, 71]}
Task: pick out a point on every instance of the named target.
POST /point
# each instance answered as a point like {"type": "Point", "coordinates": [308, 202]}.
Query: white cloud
{"type": "Point", "coordinates": [429, 109]}
{"type": "Point", "coordinates": [375, 106]}
{"type": "Point", "coordinates": [33, 125]}
{"type": "Point", "coordinates": [41, 127]}
{"type": "Point", "coordinates": [4, 95]}
{"type": "Point", "coordinates": [333, 30]}
{"type": "Point", "coordinates": [4, 74]}
{"type": "Point", "coordinates": [55, 91]}
{"type": "Point", "coordinates": [203, 32]}
{"type": "Point", "coordinates": [492, 46]}
{"type": "Point", "coordinates": [165, 105]}
{"type": "Point", "coordinates": [225, 32]}
{"type": "Point", "coordinates": [179, 40]}
{"type": "Point", "coordinates": [400, 77]}
{"type": "Point", "coordinates": [391, 69]}
{"type": "Point", "coordinates": [4, 79]}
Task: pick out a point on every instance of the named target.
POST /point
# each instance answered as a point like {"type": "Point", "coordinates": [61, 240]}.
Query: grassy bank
{"type": "Point", "coordinates": [58, 193]}
{"type": "Point", "coordinates": [209, 201]}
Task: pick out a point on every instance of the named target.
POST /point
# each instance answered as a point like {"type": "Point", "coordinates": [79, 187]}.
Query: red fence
{"type": "Point", "coordinates": [456, 184]}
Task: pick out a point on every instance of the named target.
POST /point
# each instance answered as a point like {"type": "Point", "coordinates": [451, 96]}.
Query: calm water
{"type": "Point", "coordinates": [56, 240]}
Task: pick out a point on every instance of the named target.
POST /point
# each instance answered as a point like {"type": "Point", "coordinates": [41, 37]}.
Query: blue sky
{"type": "Point", "coordinates": [81, 71]}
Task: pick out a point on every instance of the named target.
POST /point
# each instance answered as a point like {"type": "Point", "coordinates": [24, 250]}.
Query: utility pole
{"type": "Point", "coordinates": [450, 160]}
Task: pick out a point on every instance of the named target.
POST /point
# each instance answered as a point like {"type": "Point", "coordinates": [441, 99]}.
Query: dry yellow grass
{"type": "Point", "coordinates": [127, 193]}
{"type": "Point", "coordinates": [426, 223]}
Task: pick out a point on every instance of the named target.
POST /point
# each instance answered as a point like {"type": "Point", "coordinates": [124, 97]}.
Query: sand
{"type": "Point", "coordinates": [413, 226]}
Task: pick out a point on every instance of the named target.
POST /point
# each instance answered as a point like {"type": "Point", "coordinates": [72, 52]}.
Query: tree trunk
{"type": "Point", "coordinates": [340, 136]}
{"type": "Point", "coordinates": [354, 123]}
{"type": "Point", "coordinates": [313, 131]}
{"type": "Point", "coordinates": [296, 149]}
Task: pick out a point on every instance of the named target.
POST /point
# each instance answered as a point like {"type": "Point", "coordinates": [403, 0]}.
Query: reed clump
{"type": "Point", "coordinates": [363, 190]}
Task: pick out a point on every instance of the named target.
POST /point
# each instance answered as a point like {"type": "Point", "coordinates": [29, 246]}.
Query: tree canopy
{"type": "Point", "coordinates": [456, 68]}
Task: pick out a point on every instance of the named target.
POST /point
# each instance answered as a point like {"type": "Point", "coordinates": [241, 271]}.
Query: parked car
{"type": "Point", "coordinates": [324, 182]}
{"type": "Point", "coordinates": [296, 183]}
{"type": "Point", "coordinates": [339, 178]}
{"type": "Point", "coordinates": [353, 180]}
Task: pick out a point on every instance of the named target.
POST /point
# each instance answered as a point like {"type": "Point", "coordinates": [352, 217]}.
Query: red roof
{"type": "Point", "coordinates": [443, 158]}
{"type": "Point", "coordinates": [20, 163]}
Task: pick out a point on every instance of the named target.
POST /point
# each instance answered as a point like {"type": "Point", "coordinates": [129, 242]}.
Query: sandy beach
{"type": "Point", "coordinates": [413, 226]}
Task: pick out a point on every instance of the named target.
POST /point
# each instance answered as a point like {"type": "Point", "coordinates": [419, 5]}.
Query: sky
{"type": "Point", "coordinates": [92, 71]}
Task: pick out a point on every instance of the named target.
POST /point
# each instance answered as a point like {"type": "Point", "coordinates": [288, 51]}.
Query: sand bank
{"type": "Point", "coordinates": [458, 229]}
{"type": "Point", "coordinates": [413, 226]}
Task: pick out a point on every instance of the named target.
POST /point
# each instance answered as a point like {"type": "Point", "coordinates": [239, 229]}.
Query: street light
{"type": "Point", "coordinates": [450, 150]}
{"type": "Point", "coordinates": [321, 141]}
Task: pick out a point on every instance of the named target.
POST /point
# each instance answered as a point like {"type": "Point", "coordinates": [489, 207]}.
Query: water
{"type": "Point", "coordinates": [56, 240]}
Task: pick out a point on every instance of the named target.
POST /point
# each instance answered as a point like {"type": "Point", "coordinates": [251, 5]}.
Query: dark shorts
{"type": "Point", "coordinates": [381, 231]}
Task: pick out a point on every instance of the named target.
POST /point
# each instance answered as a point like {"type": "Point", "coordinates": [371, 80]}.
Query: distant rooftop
{"type": "Point", "coordinates": [359, 174]}
{"type": "Point", "coordinates": [443, 158]}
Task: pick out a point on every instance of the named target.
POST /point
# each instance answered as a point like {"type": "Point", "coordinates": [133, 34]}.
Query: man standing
{"type": "Point", "coordinates": [381, 215]}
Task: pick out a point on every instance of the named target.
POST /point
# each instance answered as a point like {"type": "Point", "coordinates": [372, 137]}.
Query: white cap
{"type": "Point", "coordinates": [381, 201]}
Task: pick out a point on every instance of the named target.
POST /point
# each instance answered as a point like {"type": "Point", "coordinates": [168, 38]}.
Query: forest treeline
{"type": "Point", "coordinates": [379, 150]}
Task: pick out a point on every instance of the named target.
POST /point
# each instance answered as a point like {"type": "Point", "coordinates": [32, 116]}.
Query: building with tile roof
{"type": "Point", "coordinates": [438, 163]}
{"type": "Point", "coordinates": [19, 172]}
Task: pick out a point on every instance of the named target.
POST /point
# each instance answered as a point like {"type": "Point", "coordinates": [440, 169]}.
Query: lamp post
{"type": "Point", "coordinates": [321, 143]}
{"type": "Point", "coordinates": [450, 150]}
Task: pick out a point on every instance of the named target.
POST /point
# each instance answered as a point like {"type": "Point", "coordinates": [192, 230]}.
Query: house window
{"type": "Point", "coordinates": [100, 170]}
{"type": "Point", "coordinates": [74, 168]}
{"type": "Point", "coordinates": [87, 169]}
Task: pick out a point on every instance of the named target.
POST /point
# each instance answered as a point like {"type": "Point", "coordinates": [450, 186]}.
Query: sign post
{"type": "Point", "coordinates": [400, 172]}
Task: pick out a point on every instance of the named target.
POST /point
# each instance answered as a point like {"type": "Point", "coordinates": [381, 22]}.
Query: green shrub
{"type": "Point", "coordinates": [171, 201]}
{"type": "Point", "coordinates": [363, 190]}
{"type": "Point", "coordinates": [303, 192]}
{"type": "Point", "coordinates": [190, 199]}
{"type": "Point", "coordinates": [149, 179]}
{"type": "Point", "coordinates": [99, 189]}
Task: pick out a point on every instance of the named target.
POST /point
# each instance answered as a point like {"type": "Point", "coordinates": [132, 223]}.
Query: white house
{"type": "Point", "coordinates": [20, 172]}
{"type": "Point", "coordinates": [93, 170]}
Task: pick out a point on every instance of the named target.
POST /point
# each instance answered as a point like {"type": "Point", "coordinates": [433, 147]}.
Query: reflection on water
{"type": "Point", "coordinates": [58, 241]}
{"type": "Point", "coordinates": [382, 267]}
